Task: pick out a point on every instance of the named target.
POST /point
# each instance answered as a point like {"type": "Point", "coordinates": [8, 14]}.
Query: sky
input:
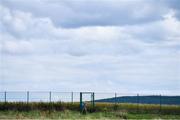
{"type": "Point", "coordinates": [126, 46]}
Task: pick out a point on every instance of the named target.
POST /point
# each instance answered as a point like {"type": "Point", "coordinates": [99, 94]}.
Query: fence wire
{"type": "Point", "coordinates": [51, 96]}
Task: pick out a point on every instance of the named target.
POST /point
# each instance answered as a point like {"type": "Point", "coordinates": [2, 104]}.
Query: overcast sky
{"type": "Point", "coordinates": [126, 46]}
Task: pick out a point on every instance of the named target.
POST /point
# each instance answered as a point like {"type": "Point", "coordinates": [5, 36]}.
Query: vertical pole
{"type": "Point", "coordinates": [72, 97]}
{"type": "Point", "coordinates": [137, 102]}
{"type": "Point", "coordinates": [81, 106]}
{"type": "Point", "coordinates": [50, 96]}
{"type": "Point", "coordinates": [5, 96]}
{"type": "Point", "coordinates": [115, 98]}
{"type": "Point", "coordinates": [27, 96]}
{"type": "Point", "coordinates": [160, 102]}
{"type": "Point", "coordinates": [93, 102]}
{"type": "Point", "coordinates": [91, 98]}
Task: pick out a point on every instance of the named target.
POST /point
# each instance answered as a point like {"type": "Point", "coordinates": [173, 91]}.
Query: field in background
{"type": "Point", "coordinates": [100, 111]}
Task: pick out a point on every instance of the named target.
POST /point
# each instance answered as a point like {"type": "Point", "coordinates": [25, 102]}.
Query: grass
{"type": "Point", "coordinates": [52, 115]}
{"type": "Point", "coordinates": [152, 116]}
{"type": "Point", "coordinates": [67, 114]}
{"type": "Point", "coordinates": [59, 110]}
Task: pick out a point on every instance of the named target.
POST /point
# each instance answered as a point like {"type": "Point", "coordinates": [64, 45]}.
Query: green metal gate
{"type": "Point", "coordinates": [81, 99]}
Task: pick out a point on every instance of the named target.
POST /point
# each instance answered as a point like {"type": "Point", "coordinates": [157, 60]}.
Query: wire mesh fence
{"type": "Point", "coordinates": [108, 98]}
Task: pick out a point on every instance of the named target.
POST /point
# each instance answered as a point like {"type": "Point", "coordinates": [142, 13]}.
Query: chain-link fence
{"type": "Point", "coordinates": [49, 96]}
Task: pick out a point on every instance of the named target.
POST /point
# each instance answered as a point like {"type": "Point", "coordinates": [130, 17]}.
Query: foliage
{"type": "Point", "coordinates": [99, 107]}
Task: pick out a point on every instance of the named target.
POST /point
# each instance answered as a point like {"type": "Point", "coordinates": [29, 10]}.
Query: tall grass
{"type": "Point", "coordinates": [99, 107]}
{"type": "Point", "coordinates": [22, 106]}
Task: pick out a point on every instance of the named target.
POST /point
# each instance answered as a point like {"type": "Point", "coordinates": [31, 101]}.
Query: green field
{"type": "Point", "coordinates": [101, 111]}
{"type": "Point", "coordinates": [67, 114]}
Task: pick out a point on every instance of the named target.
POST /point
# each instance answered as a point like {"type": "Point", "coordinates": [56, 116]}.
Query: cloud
{"type": "Point", "coordinates": [174, 4]}
{"type": "Point", "coordinates": [112, 73]}
{"type": "Point", "coordinates": [17, 47]}
{"type": "Point", "coordinates": [130, 39]}
{"type": "Point", "coordinates": [72, 14]}
{"type": "Point", "coordinates": [41, 55]}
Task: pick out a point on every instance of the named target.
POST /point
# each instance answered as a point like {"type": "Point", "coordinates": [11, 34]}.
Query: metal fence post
{"type": "Point", "coordinates": [71, 97]}
{"type": "Point", "coordinates": [50, 96]}
{"type": "Point", "coordinates": [115, 98]}
{"type": "Point", "coordinates": [93, 97]}
{"type": "Point", "coordinates": [81, 104]}
{"type": "Point", "coordinates": [137, 102]}
{"type": "Point", "coordinates": [5, 96]}
{"type": "Point", "coordinates": [160, 102]}
{"type": "Point", "coordinates": [27, 96]}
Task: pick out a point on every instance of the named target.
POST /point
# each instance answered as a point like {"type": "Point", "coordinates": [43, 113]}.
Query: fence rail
{"type": "Point", "coordinates": [50, 96]}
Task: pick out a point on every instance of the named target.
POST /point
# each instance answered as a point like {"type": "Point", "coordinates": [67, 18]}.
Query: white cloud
{"type": "Point", "coordinates": [40, 55]}
{"type": "Point", "coordinates": [91, 12]}
{"type": "Point", "coordinates": [17, 47]}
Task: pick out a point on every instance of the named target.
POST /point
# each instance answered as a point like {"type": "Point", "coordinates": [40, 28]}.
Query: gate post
{"type": "Point", "coordinates": [81, 104]}
{"type": "Point", "coordinates": [93, 103]}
